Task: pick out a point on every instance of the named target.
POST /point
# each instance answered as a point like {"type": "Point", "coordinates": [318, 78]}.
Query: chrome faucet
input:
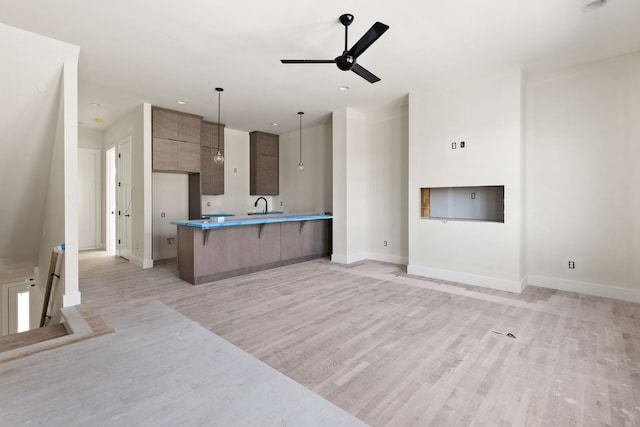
{"type": "Point", "coordinates": [266, 205]}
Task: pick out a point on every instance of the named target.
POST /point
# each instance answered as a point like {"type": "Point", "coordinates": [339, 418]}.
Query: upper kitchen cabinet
{"type": "Point", "coordinates": [176, 141]}
{"type": "Point", "coordinates": [263, 153]}
{"type": "Point", "coordinates": [211, 174]}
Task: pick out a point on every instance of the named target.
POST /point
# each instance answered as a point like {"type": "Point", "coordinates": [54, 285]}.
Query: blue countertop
{"type": "Point", "coordinates": [207, 224]}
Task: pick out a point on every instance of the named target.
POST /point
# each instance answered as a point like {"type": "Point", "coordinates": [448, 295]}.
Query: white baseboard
{"type": "Point", "coordinates": [71, 299]}
{"type": "Point", "coordinates": [146, 263]}
{"type": "Point", "coordinates": [516, 286]}
{"type": "Point", "coordinates": [392, 259]}
{"type": "Point", "coordinates": [595, 289]}
{"type": "Point", "coordinates": [348, 259]}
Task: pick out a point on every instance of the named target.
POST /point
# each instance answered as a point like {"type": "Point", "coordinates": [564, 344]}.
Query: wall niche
{"type": "Point", "coordinates": [479, 203]}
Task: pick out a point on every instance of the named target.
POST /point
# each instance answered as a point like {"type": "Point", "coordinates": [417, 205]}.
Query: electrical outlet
{"type": "Point", "coordinates": [208, 204]}
{"type": "Point", "coordinates": [163, 214]}
{"type": "Point", "coordinates": [235, 170]}
{"type": "Point", "coordinates": [473, 195]}
{"type": "Point", "coordinates": [572, 265]}
{"type": "Point", "coordinates": [385, 243]}
{"type": "Point", "coordinates": [171, 240]}
{"type": "Point", "coordinates": [453, 145]}
{"type": "Point", "coordinates": [461, 144]}
{"type": "Point", "coordinates": [281, 203]}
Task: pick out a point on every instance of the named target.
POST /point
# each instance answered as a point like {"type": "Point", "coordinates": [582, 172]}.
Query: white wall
{"type": "Point", "coordinates": [236, 199]}
{"type": "Point", "coordinates": [60, 224]}
{"type": "Point", "coordinates": [89, 198]}
{"type": "Point", "coordinates": [137, 125]}
{"type": "Point", "coordinates": [39, 157]}
{"type": "Point", "coordinates": [31, 77]}
{"type": "Point", "coordinates": [349, 186]}
{"type": "Point", "coordinates": [583, 178]}
{"type": "Point", "coordinates": [369, 183]}
{"type": "Point", "coordinates": [485, 112]}
{"type": "Point", "coordinates": [386, 182]}
{"type": "Point", "coordinates": [308, 190]}
{"type": "Point", "coordinates": [171, 197]}
{"type": "Point", "coordinates": [94, 140]}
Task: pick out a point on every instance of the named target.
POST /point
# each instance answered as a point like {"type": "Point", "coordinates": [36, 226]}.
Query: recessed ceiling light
{"type": "Point", "coordinates": [343, 88]}
{"type": "Point", "coordinates": [275, 124]}
{"type": "Point", "coordinates": [96, 104]}
{"type": "Point", "coordinates": [181, 102]}
{"type": "Point", "coordinates": [98, 120]}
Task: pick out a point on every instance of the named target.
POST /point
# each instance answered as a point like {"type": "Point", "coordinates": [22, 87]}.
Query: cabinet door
{"type": "Point", "coordinates": [189, 128]}
{"type": "Point", "coordinates": [165, 155]}
{"type": "Point", "coordinates": [209, 135]}
{"type": "Point", "coordinates": [264, 176]}
{"type": "Point", "coordinates": [212, 175]}
{"type": "Point", "coordinates": [165, 123]}
{"type": "Point", "coordinates": [188, 157]}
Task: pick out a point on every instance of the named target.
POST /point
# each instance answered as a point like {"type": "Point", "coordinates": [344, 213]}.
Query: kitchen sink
{"type": "Point", "coordinates": [268, 213]}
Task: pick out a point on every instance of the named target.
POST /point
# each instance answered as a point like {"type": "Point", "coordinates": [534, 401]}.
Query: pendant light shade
{"type": "Point", "coordinates": [218, 158]}
{"type": "Point", "coordinates": [300, 164]}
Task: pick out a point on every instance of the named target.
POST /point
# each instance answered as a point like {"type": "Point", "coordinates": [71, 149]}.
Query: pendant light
{"type": "Point", "coordinates": [218, 158]}
{"type": "Point", "coordinates": [300, 165]}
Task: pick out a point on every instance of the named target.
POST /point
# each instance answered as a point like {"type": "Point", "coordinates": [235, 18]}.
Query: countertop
{"type": "Point", "coordinates": [207, 224]}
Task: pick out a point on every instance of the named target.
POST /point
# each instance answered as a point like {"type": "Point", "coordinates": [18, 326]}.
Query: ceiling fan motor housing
{"type": "Point", "coordinates": [346, 19]}
{"type": "Point", "coordinates": [345, 62]}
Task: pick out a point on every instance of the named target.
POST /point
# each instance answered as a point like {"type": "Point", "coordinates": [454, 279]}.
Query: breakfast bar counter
{"type": "Point", "coordinates": [220, 247]}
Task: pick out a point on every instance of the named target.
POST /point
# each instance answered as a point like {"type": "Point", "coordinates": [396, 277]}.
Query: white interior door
{"type": "Point", "coordinates": [111, 206]}
{"type": "Point", "coordinates": [124, 198]}
{"type": "Point", "coordinates": [89, 172]}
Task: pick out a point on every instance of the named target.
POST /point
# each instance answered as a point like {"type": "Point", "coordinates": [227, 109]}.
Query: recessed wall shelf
{"type": "Point", "coordinates": [482, 203]}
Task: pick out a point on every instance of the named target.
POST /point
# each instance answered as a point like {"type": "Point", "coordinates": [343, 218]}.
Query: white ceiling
{"type": "Point", "coordinates": [160, 51]}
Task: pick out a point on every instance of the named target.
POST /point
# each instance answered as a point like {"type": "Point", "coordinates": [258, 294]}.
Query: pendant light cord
{"type": "Point", "coordinates": [300, 114]}
{"type": "Point", "coordinates": [219, 89]}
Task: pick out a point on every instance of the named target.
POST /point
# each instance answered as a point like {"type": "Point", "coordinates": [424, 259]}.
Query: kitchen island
{"type": "Point", "coordinates": [219, 247]}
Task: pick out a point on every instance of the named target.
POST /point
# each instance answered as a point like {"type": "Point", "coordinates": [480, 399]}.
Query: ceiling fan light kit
{"type": "Point", "coordinates": [347, 61]}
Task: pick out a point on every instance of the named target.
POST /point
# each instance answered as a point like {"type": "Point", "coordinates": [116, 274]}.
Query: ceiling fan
{"type": "Point", "coordinates": [347, 61]}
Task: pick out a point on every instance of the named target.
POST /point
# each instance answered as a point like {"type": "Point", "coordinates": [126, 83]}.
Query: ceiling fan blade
{"type": "Point", "coordinates": [368, 38]}
{"type": "Point", "coordinates": [308, 61]}
{"type": "Point", "coordinates": [365, 74]}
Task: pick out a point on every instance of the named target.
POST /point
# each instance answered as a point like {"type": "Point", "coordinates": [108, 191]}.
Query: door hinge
{"type": "Point", "coordinates": [118, 241]}
{"type": "Point", "coordinates": [119, 155]}
{"type": "Point", "coordinates": [119, 184]}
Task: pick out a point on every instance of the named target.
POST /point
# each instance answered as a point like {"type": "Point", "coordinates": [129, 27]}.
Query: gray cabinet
{"type": "Point", "coordinates": [263, 153]}
{"type": "Point", "coordinates": [176, 141]}
{"type": "Point", "coordinates": [211, 174]}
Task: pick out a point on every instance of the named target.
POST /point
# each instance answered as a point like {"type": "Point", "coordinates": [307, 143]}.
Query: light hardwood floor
{"type": "Point", "coordinates": [397, 350]}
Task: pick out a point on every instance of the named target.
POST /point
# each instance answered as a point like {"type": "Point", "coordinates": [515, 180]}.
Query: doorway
{"type": "Point", "coordinates": [110, 213]}
{"type": "Point", "coordinates": [124, 198]}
